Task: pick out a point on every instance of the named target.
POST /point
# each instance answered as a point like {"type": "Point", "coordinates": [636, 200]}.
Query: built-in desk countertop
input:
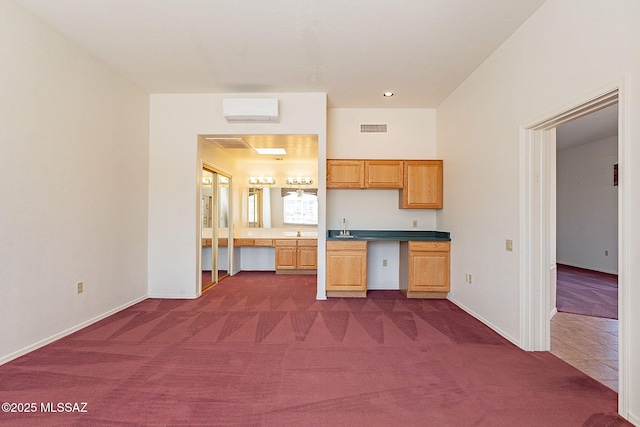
{"type": "Point", "coordinates": [392, 235]}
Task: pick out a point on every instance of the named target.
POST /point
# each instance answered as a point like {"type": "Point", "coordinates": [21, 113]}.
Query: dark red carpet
{"type": "Point", "coordinates": [587, 292]}
{"type": "Point", "coordinates": [259, 350]}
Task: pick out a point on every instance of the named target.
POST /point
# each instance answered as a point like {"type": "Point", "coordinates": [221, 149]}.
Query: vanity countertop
{"type": "Point", "coordinates": [392, 235]}
{"type": "Point", "coordinates": [275, 233]}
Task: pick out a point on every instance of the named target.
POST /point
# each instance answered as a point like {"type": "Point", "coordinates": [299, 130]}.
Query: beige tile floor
{"type": "Point", "coordinates": [590, 344]}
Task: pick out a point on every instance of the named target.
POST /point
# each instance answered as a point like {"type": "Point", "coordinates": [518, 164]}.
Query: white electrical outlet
{"type": "Point", "coordinates": [415, 223]}
{"type": "Point", "coordinates": [79, 287]}
{"type": "Point", "coordinates": [470, 279]}
{"type": "Point", "coordinates": [384, 262]}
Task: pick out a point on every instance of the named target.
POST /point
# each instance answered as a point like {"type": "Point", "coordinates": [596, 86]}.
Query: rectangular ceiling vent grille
{"type": "Point", "coordinates": [230, 143]}
{"type": "Point", "coordinates": [379, 128]}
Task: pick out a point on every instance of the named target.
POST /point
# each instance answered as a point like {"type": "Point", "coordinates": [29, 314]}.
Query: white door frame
{"type": "Point", "coordinates": [535, 208]}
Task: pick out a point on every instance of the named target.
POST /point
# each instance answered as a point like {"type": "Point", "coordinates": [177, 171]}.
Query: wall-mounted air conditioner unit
{"type": "Point", "coordinates": [250, 109]}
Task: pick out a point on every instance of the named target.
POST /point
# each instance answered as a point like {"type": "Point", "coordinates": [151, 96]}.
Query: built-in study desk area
{"type": "Point", "coordinates": [424, 262]}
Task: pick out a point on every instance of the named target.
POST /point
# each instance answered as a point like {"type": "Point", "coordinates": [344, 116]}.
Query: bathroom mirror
{"type": "Point", "coordinates": [214, 211]}
{"type": "Point", "coordinates": [255, 207]}
{"type": "Point", "coordinates": [278, 207]}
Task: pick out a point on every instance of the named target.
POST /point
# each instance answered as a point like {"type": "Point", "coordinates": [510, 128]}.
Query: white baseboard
{"type": "Point", "coordinates": [66, 332]}
{"type": "Point", "coordinates": [505, 335]}
{"type": "Point", "coordinates": [634, 419]}
{"type": "Point", "coordinates": [173, 296]}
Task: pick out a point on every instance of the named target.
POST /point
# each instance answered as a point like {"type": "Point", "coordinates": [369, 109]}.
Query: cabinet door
{"type": "Point", "coordinates": [307, 254]}
{"type": "Point", "coordinates": [285, 257]}
{"type": "Point", "coordinates": [307, 258]}
{"type": "Point", "coordinates": [422, 185]}
{"type": "Point", "coordinates": [429, 265]}
{"type": "Point", "coordinates": [346, 266]}
{"type": "Point", "coordinates": [383, 174]}
{"type": "Point", "coordinates": [345, 174]}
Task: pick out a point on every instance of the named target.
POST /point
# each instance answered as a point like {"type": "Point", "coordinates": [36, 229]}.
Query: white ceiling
{"type": "Point", "coordinates": [352, 50]}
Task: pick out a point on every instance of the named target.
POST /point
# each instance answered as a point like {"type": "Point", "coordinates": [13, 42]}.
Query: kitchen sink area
{"type": "Point", "coordinates": [389, 235]}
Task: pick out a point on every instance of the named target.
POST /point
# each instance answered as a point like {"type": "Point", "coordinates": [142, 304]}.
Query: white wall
{"type": "Point", "coordinates": [565, 51]}
{"type": "Point", "coordinates": [587, 203]}
{"type": "Point", "coordinates": [73, 184]}
{"type": "Point", "coordinates": [174, 164]}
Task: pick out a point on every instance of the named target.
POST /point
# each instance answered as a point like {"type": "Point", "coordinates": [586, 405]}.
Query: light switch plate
{"type": "Point", "coordinates": [509, 245]}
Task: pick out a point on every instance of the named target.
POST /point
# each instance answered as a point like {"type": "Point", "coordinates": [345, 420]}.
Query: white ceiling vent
{"type": "Point", "coordinates": [229, 142]}
{"type": "Point", "coordinates": [241, 110]}
{"type": "Point", "coordinates": [379, 128]}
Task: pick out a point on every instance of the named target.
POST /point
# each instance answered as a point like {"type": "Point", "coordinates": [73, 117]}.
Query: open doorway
{"type": "Point", "coordinates": [584, 331]}
{"type": "Point", "coordinates": [536, 260]}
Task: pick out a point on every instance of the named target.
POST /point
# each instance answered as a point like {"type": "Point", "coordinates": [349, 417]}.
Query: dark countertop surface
{"type": "Point", "coordinates": [392, 235]}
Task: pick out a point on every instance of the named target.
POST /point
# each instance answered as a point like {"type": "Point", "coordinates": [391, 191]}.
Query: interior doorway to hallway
{"type": "Point", "coordinates": [584, 331]}
{"type": "Point", "coordinates": [537, 259]}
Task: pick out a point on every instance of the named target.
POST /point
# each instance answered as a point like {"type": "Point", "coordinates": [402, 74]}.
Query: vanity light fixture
{"type": "Point", "coordinates": [299, 180]}
{"type": "Point", "coordinates": [261, 181]}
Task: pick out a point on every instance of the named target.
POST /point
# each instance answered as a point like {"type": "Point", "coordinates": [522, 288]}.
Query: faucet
{"type": "Point", "coordinates": [344, 231]}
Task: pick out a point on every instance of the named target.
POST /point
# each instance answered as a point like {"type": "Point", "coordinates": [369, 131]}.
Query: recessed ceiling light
{"type": "Point", "coordinates": [271, 151]}
{"type": "Point", "coordinates": [387, 94]}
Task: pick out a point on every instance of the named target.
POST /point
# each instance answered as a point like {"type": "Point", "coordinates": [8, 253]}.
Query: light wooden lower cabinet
{"type": "Point", "coordinates": [296, 254]}
{"type": "Point", "coordinates": [285, 254]}
{"type": "Point", "coordinates": [346, 269]}
{"type": "Point", "coordinates": [307, 255]}
{"type": "Point", "coordinates": [428, 269]}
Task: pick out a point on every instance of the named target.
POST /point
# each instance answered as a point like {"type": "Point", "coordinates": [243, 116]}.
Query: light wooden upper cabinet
{"type": "Point", "coordinates": [345, 174]}
{"type": "Point", "coordinates": [422, 187]}
{"type": "Point", "coordinates": [383, 173]}
{"type": "Point", "coordinates": [364, 174]}
{"type": "Point", "coordinates": [419, 181]}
